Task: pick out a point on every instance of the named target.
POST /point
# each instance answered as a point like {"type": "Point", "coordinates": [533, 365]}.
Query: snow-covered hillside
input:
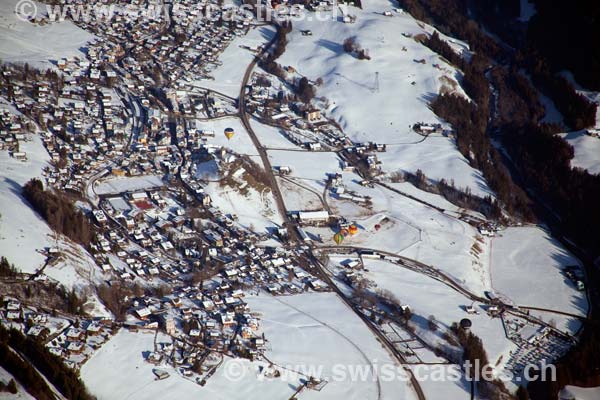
{"type": "Point", "coordinates": [526, 266]}
{"type": "Point", "coordinates": [587, 151]}
{"type": "Point", "coordinates": [235, 59]}
{"type": "Point", "coordinates": [40, 46]}
{"type": "Point", "coordinates": [22, 231]}
{"type": "Point", "coordinates": [380, 99]}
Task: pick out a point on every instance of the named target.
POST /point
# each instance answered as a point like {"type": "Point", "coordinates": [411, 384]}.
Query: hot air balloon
{"type": "Point", "coordinates": [229, 133]}
{"type": "Point", "coordinates": [338, 238]}
{"type": "Point", "coordinates": [353, 229]}
{"type": "Point", "coordinates": [377, 227]}
{"type": "Point", "coordinates": [344, 232]}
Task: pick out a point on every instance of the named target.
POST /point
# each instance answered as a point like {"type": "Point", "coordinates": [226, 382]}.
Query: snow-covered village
{"type": "Point", "coordinates": [298, 200]}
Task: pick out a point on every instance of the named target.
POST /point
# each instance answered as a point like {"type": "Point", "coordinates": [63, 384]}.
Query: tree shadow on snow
{"type": "Point", "coordinates": [330, 45]}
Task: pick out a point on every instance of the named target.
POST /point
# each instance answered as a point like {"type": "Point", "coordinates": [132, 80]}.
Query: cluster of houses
{"type": "Point", "coordinates": [13, 131]}
{"type": "Point", "coordinates": [77, 121]}
{"type": "Point", "coordinates": [304, 125]}
{"type": "Point", "coordinates": [341, 192]}
{"type": "Point", "coordinates": [99, 119]}
{"type": "Point", "coordinates": [72, 339]}
{"type": "Point", "coordinates": [79, 341]}
{"type": "Point", "coordinates": [211, 319]}
{"type": "Point", "coordinates": [362, 158]}
{"type": "Point", "coordinates": [101, 102]}
{"type": "Point", "coordinates": [488, 228]}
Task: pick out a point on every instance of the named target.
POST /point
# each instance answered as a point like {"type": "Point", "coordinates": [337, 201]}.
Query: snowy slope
{"type": "Point", "coordinates": [256, 210]}
{"type": "Point", "coordinates": [384, 113]}
{"type": "Point", "coordinates": [526, 267]}
{"type": "Point", "coordinates": [22, 231]}
{"type": "Point", "coordinates": [37, 45]}
{"type": "Point", "coordinates": [587, 151]}
{"type": "Point", "coordinates": [228, 76]}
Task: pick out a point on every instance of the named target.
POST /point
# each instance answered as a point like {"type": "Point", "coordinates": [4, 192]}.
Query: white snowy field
{"type": "Point", "coordinates": [428, 197]}
{"type": "Point", "coordinates": [453, 388]}
{"type": "Point", "coordinates": [122, 184]}
{"type": "Point", "coordinates": [306, 182]}
{"type": "Point", "coordinates": [76, 269]}
{"type": "Point", "coordinates": [253, 209]}
{"type": "Point", "coordinates": [118, 371]}
{"type": "Point", "coordinates": [271, 137]}
{"type": "Point", "coordinates": [317, 332]}
{"type": "Point", "coordinates": [37, 45]}
{"type": "Point", "coordinates": [587, 151]}
{"type": "Point", "coordinates": [310, 167]}
{"type": "Point", "coordinates": [297, 195]}
{"type": "Point", "coordinates": [412, 230]}
{"type": "Point", "coordinates": [526, 267]}
{"type": "Point", "coordinates": [240, 142]}
{"type": "Point", "coordinates": [22, 231]}
{"type": "Point", "coordinates": [379, 99]}
{"type": "Point", "coordinates": [433, 157]}
{"type": "Point", "coordinates": [228, 76]}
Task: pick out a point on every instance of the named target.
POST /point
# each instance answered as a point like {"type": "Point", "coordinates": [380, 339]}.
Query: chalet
{"type": "Point", "coordinates": [143, 313]}
{"type": "Point", "coordinates": [208, 305]}
{"type": "Point", "coordinates": [314, 146]}
{"type": "Point", "coordinates": [170, 325]}
{"type": "Point", "coordinates": [13, 315]}
{"type": "Point", "coordinates": [74, 334]}
{"type": "Point", "coordinates": [470, 310]}
{"type": "Point", "coordinates": [213, 237]}
{"type": "Point", "coordinates": [93, 329]}
{"type": "Point", "coordinates": [227, 319]}
{"type": "Point", "coordinates": [100, 216]}
{"type": "Point", "coordinates": [246, 333]}
{"type": "Point", "coordinates": [194, 333]}
{"type": "Point", "coordinates": [75, 348]}
{"type": "Point", "coordinates": [176, 302]}
{"type": "Point", "coordinates": [317, 284]}
{"type": "Point", "coordinates": [38, 331]}
{"type": "Point", "coordinates": [259, 343]}
{"type": "Point", "coordinates": [312, 115]}
{"type": "Point", "coordinates": [21, 156]}
{"type": "Point", "coordinates": [13, 305]}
